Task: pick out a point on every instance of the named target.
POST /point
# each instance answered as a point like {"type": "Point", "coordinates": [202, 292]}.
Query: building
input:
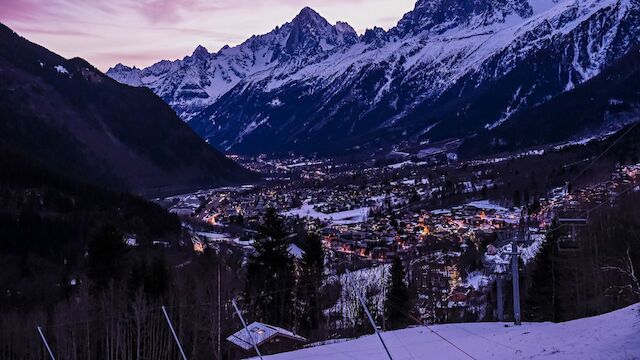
{"type": "Point", "coordinates": [268, 338]}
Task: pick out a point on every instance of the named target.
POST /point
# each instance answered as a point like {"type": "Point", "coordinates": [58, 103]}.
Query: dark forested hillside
{"type": "Point", "coordinates": [81, 123]}
{"type": "Point", "coordinates": [598, 273]}
{"type": "Point", "coordinates": [46, 221]}
{"type": "Point", "coordinates": [605, 103]}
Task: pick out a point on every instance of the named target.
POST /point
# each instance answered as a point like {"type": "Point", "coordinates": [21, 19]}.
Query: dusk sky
{"type": "Point", "coordinates": [141, 32]}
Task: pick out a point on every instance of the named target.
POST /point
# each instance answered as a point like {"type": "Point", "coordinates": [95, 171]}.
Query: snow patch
{"type": "Point", "coordinates": [348, 217]}
{"type": "Point", "coordinates": [61, 69]}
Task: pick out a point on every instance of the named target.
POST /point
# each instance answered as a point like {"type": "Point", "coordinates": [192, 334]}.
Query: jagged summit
{"type": "Point", "coordinates": [441, 15]}
{"type": "Point", "coordinates": [309, 16]}
{"type": "Point", "coordinates": [345, 28]}
{"type": "Point", "coordinates": [200, 52]}
{"type": "Point", "coordinates": [121, 67]}
{"type": "Point", "coordinates": [310, 34]}
{"type": "Point", "coordinates": [376, 36]}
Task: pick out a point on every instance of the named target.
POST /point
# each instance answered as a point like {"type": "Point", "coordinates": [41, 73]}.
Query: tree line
{"type": "Point", "coordinates": [110, 307]}
{"type": "Point", "coordinates": [596, 274]}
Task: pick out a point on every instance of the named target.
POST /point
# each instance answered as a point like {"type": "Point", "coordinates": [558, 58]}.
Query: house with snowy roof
{"type": "Point", "coordinates": [268, 338]}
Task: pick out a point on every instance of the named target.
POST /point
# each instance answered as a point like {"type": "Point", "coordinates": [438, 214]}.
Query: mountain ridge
{"type": "Point", "coordinates": [411, 79]}
{"type": "Point", "coordinates": [191, 84]}
{"type": "Point", "coordinates": [83, 124]}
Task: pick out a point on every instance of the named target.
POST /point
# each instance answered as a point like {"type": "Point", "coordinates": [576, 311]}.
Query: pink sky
{"type": "Point", "coordinates": [141, 32]}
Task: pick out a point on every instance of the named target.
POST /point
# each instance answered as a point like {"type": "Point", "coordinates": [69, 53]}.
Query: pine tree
{"type": "Point", "coordinates": [270, 275]}
{"type": "Point", "coordinates": [157, 280]}
{"type": "Point", "coordinates": [397, 302]}
{"type": "Point", "coordinates": [310, 284]}
{"type": "Point", "coordinates": [106, 253]}
{"type": "Point", "coordinates": [541, 303]}
{"type": "Point", "coordinates": [517, 198]}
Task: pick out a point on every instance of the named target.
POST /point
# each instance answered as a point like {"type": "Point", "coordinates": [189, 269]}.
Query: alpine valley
{"type": "Point", "coordinates": [464, 184]}
{"type": "Point", "coordinates": [449, 69]}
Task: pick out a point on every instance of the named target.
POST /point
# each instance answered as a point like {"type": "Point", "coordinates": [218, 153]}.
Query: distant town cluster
{"type": "Point", "coordinates": [368, 213]}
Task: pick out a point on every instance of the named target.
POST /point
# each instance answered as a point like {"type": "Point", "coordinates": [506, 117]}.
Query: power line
{"type": "Point", "coordinates": [596, 207]}
{"type": "Point", "coordinates": [583, 171]}
{"type": "Point", "coordinates": [366, 310]}
{"type": "Point", "coordinates": [419, 322]}
{"type": "Point", "coordinates": [605, 151]}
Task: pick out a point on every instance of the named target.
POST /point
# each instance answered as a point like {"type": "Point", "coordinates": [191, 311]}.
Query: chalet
{"type": "Point", "coordinates": [268, 338]}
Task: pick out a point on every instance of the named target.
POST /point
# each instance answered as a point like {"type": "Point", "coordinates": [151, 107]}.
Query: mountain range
{"type": "Point", "coordinates": [73, 119]}
{"type": "Point", "coordinates": [448, 69]}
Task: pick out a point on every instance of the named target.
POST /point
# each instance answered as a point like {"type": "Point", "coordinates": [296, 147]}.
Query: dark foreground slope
{"type": "Point", "coordinates": [70, 116]}
{"type": "Point", "coordinates": [47, 221]}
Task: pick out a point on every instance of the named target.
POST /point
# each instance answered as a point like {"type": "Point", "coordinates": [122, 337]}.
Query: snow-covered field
{"type": "Point", "coordinates": [354, 216]}
{"type": "Point", "coordinates": [610, 336]}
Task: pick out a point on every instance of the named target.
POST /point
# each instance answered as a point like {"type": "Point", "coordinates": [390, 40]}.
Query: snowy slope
{"type": "Point", "coordinates": [611, 336]}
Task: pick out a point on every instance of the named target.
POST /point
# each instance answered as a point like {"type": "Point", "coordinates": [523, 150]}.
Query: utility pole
{"type": "Point", "coordinates": [166, 316]}
{"type": "Point", "coordinates": [366, 311]}
{"type": "Point", "coordinates": [384, 294]}
{"type": "Point", "coordinates": [244, 324]}
{"type": "Point", "coordinates": [515, 256]}
{"type": "Point", "coordinates": [219, 318]}
{"type": "Point", "coordinates": [46, 344]}
{"type": "Point", "coordinates": [500, 296]}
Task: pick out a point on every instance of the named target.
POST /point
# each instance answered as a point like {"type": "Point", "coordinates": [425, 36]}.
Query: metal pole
{"type": "Point", "coordinates": [166, 316]}
{"type": "Point", "coordinates": [219, 317]}
{"type": "Point", "coordinates": [500, 297]}
{"type": "Point", "coordinates": [46, 344]}
{"type": "Point", "coordinates": [244, 324]}
{"type": "Point", "coordinates": [516, 283]}
{"type": "Point", "coordinates": [366, 310]}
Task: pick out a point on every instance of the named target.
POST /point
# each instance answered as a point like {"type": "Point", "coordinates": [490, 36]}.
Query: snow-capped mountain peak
{"type": "Point", "coordinates": [309, 17]}
{"type": "Point", "coordinates": [200, 52]}
{"type": "Point", "coordinates": [122, 67]}
{"type": "Point", "coordinates": [198, 80]}
{"type": "Point", "coordinates": [420, 75]}
{"type": "Point", "coordinates": [310, 34]}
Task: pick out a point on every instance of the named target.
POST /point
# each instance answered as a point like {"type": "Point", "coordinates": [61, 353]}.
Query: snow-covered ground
{"type": "Point", "coordinates": [354, 216]}
{"type": "Point", "coordinates": [610, 336]}
{"type": "Point", "coordinates": [364, 280]}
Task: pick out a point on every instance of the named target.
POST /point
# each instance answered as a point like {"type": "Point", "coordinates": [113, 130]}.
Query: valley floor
{"type": "Point", "coordinates": [611, 336]}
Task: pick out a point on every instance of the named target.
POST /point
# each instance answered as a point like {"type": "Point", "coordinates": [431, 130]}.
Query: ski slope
{"type": "Point", "coordinates": [611, 336]}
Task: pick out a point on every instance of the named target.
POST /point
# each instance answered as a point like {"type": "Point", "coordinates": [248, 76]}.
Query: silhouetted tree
{"type": "Point", "coordinates": [310, 285]}
{"type": "Point", "coordinates": [397, 302]}
{"type": "Point", "coordinates": [270, 275]}
{"type": "Point", "coordinates": [541, 303]}
{"type": "Point", "coordinates": [106, 253]}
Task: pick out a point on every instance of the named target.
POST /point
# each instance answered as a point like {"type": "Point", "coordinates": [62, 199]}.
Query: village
{"type": "Point", "coordinates": [368, 214]}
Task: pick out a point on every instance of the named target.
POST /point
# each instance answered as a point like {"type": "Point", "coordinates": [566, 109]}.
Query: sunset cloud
{"type": "Point", "coordinates": [141, 32]}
